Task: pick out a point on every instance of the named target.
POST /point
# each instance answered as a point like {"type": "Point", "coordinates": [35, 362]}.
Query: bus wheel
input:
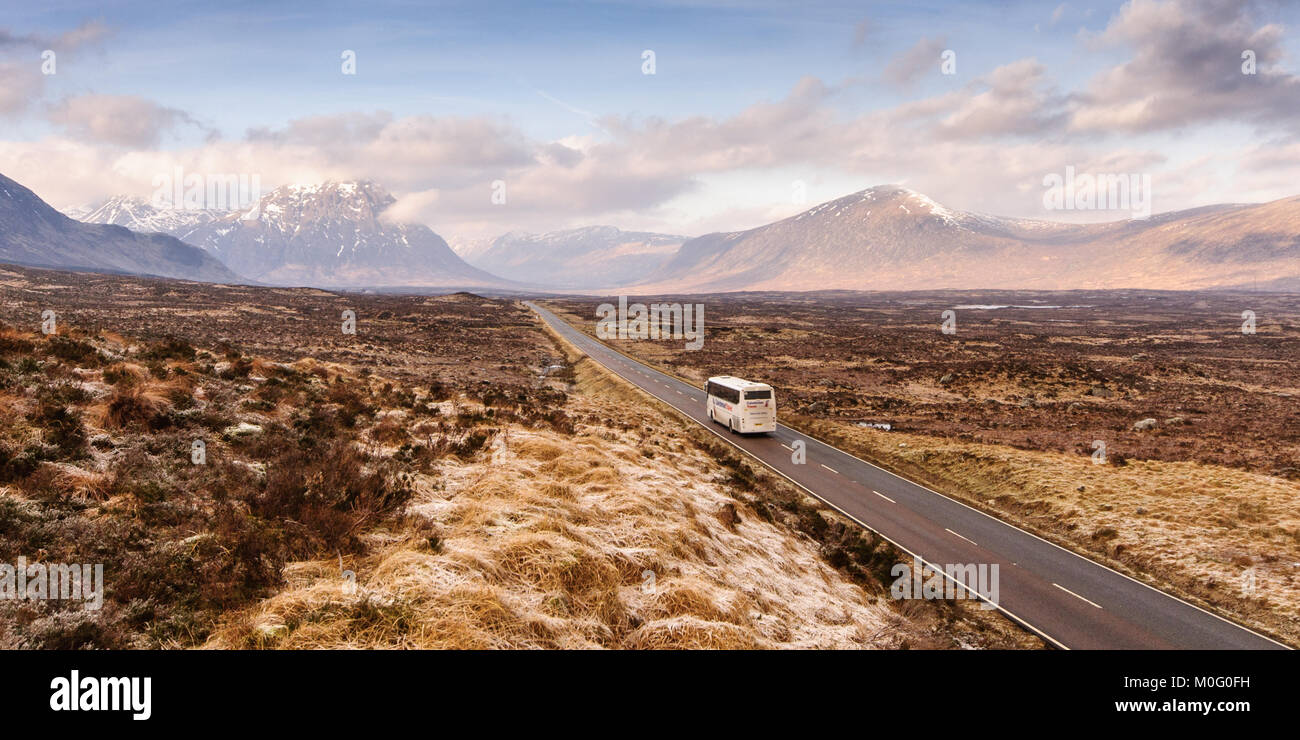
{"type": "Point", "coordinates": [731, 424]}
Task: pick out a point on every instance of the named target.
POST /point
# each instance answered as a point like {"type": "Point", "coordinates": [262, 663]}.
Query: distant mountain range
{"type": "Point", "coordinates": [328, 235]}
{"type": "Point", "coordinates": [33, 233]}
{"type": "Point", "coordinates": [883, 238]}
{"type": "Point", "coordinates": [892, 238]}
{"type": "Point", "coordinates": [591, 257]}
{"type": "Point", "coordinates": [137, 214]}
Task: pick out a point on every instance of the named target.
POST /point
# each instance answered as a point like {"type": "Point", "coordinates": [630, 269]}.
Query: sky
{"type": "Point", "coordinates": [751, 112]}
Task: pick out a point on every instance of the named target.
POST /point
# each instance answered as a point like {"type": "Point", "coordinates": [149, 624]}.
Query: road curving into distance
{"type": "Point", "coordinates": [1069, 600]}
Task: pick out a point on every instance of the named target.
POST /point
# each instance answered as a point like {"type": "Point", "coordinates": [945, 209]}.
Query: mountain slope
{"type": "Point", "coordinates": [891, 238]}
{"type": "Point", "coordinates": [591, 257]}
{"type": "Point", "coordinates": [33, 233]}
{"type": "Point", "coordinates": [327, 235]}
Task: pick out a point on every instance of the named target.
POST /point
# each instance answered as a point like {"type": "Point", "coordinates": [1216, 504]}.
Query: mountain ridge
{"type": "Point", "coordinates": [34, 233]}
{"type": "Point", "coordinates": [892, 238]}
{"type": "Point", "coordinates": [332, 234]}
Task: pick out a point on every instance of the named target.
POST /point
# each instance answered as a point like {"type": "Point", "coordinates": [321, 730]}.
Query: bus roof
{"type": "Point", "coordinates": [739, 384]}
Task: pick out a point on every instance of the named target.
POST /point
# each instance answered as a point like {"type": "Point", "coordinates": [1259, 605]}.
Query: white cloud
{"type": "Point", "coordinates": [1186, 70]}
{"type": "Point", "coordinates": [123, 120]}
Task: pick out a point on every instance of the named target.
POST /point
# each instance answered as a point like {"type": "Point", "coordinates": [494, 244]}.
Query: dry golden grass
{"type": "Point", "coordinates": [558, 542]}
{"type": "Point", "coordinates": [128, 372]}
{"type": "Point", "coordinates": [71, 481]}
{"type": "Point", "coordinates": [1198, 530]}
{"type": "Point", "coordinates": [11, 335]}
{"type": "Point", "coordinates": [133, 406]}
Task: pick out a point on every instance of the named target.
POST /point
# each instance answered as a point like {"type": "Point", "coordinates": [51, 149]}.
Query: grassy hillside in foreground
{"type": "Point", "coordinates": [618, 535]}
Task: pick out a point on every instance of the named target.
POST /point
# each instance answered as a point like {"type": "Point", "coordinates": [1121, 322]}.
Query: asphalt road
{"type": "Point", "coordinates": [1070, 601]}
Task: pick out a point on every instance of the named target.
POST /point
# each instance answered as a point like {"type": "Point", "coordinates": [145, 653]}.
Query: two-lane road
{"type": "Point", "coordinates": [1067, 599]}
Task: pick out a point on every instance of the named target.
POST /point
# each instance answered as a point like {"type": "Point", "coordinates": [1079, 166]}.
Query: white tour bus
{"type": "Point", "coordinates": [740, 405]}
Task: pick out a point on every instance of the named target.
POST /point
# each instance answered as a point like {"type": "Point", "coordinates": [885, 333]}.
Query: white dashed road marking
{"type": "Point", "coordinates": [1068, 591]}
{"type": "Point", "coordinates": [949, 531]}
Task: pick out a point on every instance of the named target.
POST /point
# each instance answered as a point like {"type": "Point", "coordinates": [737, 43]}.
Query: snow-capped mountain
{"type": "Point", "coordinates": [332, 234]}
{"type": "Point", "coordinates": [138, 214]}
{"type": "Point", "coordinates": [892, 238]}
{"type": "Point", "coordinates": [469, 248]}
{"type": "Point", "coordinates": [33, 233]}
{"type": "Point", "coordinates": [590, 257]}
